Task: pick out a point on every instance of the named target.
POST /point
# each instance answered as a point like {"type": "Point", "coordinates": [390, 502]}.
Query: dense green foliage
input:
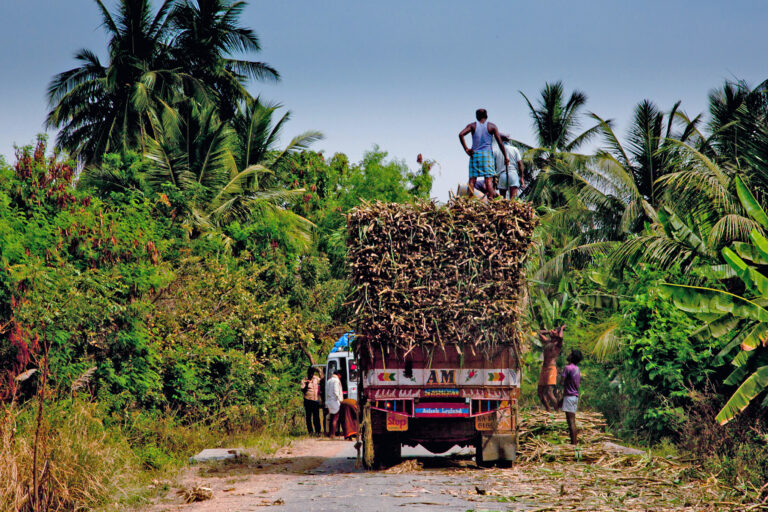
{"type": "Point", "coordinates": [172, 326]}
{"type": "Point", "coordinates": [673, 210]}
{"type": "Point", "coordinates": [180, 267]}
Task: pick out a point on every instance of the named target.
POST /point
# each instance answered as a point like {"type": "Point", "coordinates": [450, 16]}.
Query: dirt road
{"type": "Point", "coordinates": [320, 475]}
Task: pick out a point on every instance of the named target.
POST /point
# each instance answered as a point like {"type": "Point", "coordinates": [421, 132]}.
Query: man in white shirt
{"type": "Point", "coordinates": [510, 177]}
{"type": "Point", "coordinates": [333, 397]}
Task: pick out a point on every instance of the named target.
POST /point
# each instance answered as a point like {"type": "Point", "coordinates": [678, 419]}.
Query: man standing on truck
{"type": "Point", "coordinates": [510, 177]}
{"type": "Point", "coordinates": [553, 344]}
{"type": "Point", "coordinates": [571, 382]}
{"type": "Point", "coordinates": [481, 164]}
{"type": "Point", "coordinates": [333, 397]}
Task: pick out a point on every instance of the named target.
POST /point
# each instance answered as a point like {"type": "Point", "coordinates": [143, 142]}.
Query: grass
{"type": "Point", "coordinates": [81, 462]}
{"type": "Point", "coordinates": [91, 461]}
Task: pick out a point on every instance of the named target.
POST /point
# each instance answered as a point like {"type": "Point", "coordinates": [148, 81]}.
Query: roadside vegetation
{"type": "Point", "coordinates": [172, 263]}
{"type": "Point", "coordinates": [652, 251]}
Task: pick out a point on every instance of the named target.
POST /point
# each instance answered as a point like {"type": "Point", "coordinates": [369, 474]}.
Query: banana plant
{"type": "Point", "coordinates": [549, 311]}
{"type": "Point", "coordinates": [742, 318]}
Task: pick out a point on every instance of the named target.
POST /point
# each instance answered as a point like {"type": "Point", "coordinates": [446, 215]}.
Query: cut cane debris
{"type": "Point", "coordinates": [408, 466]}
{"type": "Point", "coordinates": [197, 493]}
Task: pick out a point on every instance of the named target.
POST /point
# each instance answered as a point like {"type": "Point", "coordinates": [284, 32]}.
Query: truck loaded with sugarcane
{"type": "Point", "coordinates": [437, 298]}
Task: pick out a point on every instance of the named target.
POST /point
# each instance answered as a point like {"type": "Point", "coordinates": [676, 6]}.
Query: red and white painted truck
{"type": "Point", "coordinates": [440, 398]}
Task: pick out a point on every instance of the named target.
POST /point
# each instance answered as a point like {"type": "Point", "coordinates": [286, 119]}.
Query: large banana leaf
{"type": "Point", "coordinates": [750, 252]}
{"type": "Point", "coordinates": [678, 231]}
{"type": "Point", "coordinates": [751, 204]}
{"type": "Point", "coordinates": [757, 337]}
{"type": "Point", "coordinates": [751, 277]}
{"type": "Point", "coordinates": [695, 299]}
{"type": "Point", "coordinates": [726, 351]}
{"type": "Point", "coordinates": [741, 398]}
{"type": "Point", "coordinates": [760, 242]}
{"type": "Point", "coordinates": [717, 328]}
{"type": "Point", "coordinates": [736, 377]}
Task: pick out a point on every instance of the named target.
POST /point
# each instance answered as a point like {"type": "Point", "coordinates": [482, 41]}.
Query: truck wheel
{"type": "Point", "coordinates": [479, 453]}
{"type": "Point", "coordinates": [387, 450]}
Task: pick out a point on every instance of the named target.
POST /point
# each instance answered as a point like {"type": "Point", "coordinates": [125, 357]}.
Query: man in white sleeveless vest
{"type": "Point", "coordinates": [509, 177]}
{"type": "Point", "coordinates": [481, 162]}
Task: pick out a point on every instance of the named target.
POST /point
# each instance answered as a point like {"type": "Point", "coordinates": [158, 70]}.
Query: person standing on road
{"type": "Point", "coordinates": [481, 163]}
{"type": "Point", "coordinates": [333, 397]}
{"type": "Point", "coordinates": [510, 177]}
{"type": "Point", "coordinates": [553, 344]}
{"type": "Point", "coordinates": [571, 379]}
{"type": "Point", "coordinates": [348, 413]}
{"type": "Point", "coordinates": [321, 395]}
{"type": "Point", "coordinates": [310, 387]}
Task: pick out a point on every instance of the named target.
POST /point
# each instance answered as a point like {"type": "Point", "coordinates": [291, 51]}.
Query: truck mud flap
{"type": "Point", "coordinates": [496, 448]}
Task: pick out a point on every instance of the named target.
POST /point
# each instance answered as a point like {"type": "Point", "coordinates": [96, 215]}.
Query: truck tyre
{"type": "Point", "coordinates": [479, 453]}
{"type": "Point", "coordinates": [387, 450]}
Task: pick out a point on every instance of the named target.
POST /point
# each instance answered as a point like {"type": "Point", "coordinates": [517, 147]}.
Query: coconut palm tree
{"type": "Point", "coordinates": [223, 167]}
{"type": "Point", "coordinates": [556, 123]}
{"type": "Point", "coordinates": [602, 199]}
{"type": "Point", "coordinates": [702, 212]}
{"type": "Point", "coordinates": [259, 134]}
{"type": "Point", "coordinates": [100, 108]}
{"type": "Point", "coordinates": [207, 38]}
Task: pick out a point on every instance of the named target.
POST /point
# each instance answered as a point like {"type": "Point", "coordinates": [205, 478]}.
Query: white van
{"type": "Point", "coordinates": [346, 362]}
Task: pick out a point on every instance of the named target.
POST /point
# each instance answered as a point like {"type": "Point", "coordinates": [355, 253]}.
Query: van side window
{"type": "Point", "coordinates": [344, 376]}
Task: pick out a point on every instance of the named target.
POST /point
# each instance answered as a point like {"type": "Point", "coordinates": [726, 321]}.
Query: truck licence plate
{"type": "Point", "coordinates": [495, 421]}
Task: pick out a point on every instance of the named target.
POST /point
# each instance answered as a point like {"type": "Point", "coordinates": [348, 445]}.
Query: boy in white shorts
{"type": "Point", "coordinates": [571, 379]}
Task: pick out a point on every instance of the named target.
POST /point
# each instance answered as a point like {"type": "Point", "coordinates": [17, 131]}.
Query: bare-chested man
{"type": "Point", "coordinates": [553, 344]}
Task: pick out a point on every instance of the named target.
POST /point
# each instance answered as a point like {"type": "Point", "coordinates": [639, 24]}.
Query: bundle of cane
{"type": "Point", "coordinates": [426, 274]}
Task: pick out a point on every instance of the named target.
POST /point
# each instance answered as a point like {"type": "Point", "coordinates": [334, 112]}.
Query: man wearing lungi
{"type": "Point", "coordinates": [481, 161]}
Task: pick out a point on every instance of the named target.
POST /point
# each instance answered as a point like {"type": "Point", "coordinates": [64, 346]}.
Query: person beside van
{"type": "Point", "coordinates": [333, 397]}
{"type": "Point", "coordinates": [321, 395]}
{"type": "Point", "coordinates": [349, 413]}
{"type": "Point", "coordinates": [310, 387]}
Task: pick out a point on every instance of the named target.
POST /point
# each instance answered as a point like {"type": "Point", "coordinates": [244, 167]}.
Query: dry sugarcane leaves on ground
{"type": "Point", "coordinates": [550, 475]}
{"type": "Point", "coordinates": [598, 475]}
{"type": "Point", "coordinates": [429, 275]}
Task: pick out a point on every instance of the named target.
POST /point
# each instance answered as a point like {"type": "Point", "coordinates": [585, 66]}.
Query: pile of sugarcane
{"type": "Point", "coordinates": [430, 275]}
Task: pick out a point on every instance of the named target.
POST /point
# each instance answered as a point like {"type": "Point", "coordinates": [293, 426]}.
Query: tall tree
{"type": "Point", "coordinates": [208, 36]}
{"type": "Point", "coordinates": [556, 123]}
{"type": "Point", "coordinates": [556, 120]}
{"type": "Point", "coordinates": [222, 168]}
{"type": "Point", "coordinates": [101, 108]}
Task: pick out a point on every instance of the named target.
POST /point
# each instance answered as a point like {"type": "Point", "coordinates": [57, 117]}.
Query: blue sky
{"type": "Point", "coordinates": [408, 75]}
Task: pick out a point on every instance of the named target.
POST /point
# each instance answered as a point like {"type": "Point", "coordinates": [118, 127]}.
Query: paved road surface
{"type": "Point", "coordinates": [319, 475]}
{"type": "Point", "coordinates": [337, 485]}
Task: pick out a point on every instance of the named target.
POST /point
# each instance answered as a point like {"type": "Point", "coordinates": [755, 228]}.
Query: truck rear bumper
{"type": "Point", "coordinates": [459, 431]}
